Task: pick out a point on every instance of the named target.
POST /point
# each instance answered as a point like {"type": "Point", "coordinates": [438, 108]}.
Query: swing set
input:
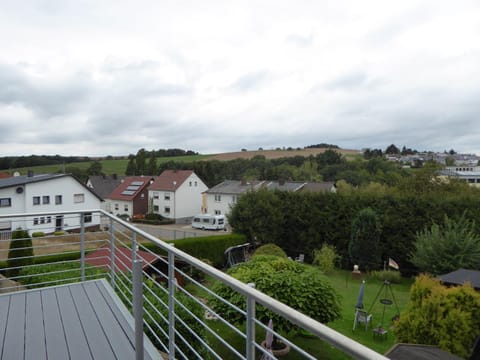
{"type": "Point", "coordinates": [387, 298]}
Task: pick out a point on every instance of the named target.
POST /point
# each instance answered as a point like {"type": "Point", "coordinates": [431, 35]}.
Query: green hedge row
{"type": "Point", "coordinates": [154, 222]}
{"type": "Point", "coordinates": [211, 248]}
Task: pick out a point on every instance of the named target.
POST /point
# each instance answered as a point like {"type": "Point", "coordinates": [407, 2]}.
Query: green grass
{"type": "Point", "coordinates": [109, 167]}
{"type": "Point", "coordinates": [348, 288]}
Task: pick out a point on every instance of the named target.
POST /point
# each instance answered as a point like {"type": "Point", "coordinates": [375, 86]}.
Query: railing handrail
{"type": "Point", "coordinates": [331, 336]}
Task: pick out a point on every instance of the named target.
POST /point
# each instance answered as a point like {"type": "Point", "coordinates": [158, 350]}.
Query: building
{"type": "Point", "coordinates": [46, 193]}
{"type": "Point", "coordinates": [177, 194]}
{"type": "Point", "coordinates": [130, 197]}
{"type": "Point", "coordinates": [103, 185]}
{"type": "Point", "coordinates": [222, 197]}
{"type": "Point", "coordinates": [468, 175]}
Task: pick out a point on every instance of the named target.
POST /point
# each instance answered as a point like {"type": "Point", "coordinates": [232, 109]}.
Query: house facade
{"type": "Point", "coordinates": [130, 197]}
{"type": "Point", "coordinates": [46, 193]}
{"type": "Point", "coordinates": [177, 194]}
{"type": "Point", "coordinates": [221, 198]}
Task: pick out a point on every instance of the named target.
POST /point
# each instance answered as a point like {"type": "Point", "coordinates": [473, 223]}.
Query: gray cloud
{"type": "Point", "coordinates": [251, 81]}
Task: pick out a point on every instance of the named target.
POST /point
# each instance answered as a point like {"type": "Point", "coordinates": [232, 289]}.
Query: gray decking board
{"type": "Point", "coordinates": [75, 321]}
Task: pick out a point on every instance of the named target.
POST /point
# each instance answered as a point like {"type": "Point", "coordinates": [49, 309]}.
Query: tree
{"type": "Point", "coordinates": [20, 253]}
{"type": "Point", "coordinates": [152, 164]}
{"type": "Point", "coordinates": [448, 247]}
{"type": "Point", "coordinates": [364, 246]}
{"type": "Point", "coordinates": [131, 167]}
{"type": "Point", "coordinates": [140, 161]}
{"type": "Point", "coordinates": [95, 168]}
{"type": "Point", "coordinates": [436, 315]}
{"type": "Point", "coordinates": [392, 150]}
{"type": "Point", "coordinates": [329, 157]}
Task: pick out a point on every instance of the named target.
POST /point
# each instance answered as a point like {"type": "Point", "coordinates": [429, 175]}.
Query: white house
{"type": "Point", "coordinates": [177, 194]}
{"type": "Point", "coordinates": [222, 197]}
{"type": "Point", "coordinates": [46, 193]}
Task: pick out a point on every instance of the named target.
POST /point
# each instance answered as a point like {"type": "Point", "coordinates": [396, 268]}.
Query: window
{"type": "Point", "coordinates": [218, 212]}
{"type": "Point", "coordinates": [167, 196]}
{"type": "Point", "coordinates": [87, 217]}
{"type": "Point", "coordinates": [195, 183]}
{"type": "Point", "coordinates": [35, 221]}
{"type": "Point", "coordinates": [5, 202]}
{"type": "Point", "coordinates": [36, 200]}
{"type": "Point", "coordinates": [58, 199]}
{"type": "Point", "coordinates": [42, 220]}
{"type": "Point", "coordinates": [45, 200]}
{"type": "Point", "coordinates": [234, 199]}
{"type": "Point", "coordinates": [125, 207]}
{"type": "Point", "coordinates": [218, 197]}
{"type": "Point", "coordinates": [78, 198]}
{"type": "Point", "coordinates": [155, 195]}
{"type": "Point", "coordinates": [155, 208]}
{"type": "Point", "coordinates": [116, 206]}
{"type": "Point", "coordinates": [49, 219]}
{"type": "Point", "coordinates": [190, 183]}
{"type": "Point", "coordinates": [167, 210]}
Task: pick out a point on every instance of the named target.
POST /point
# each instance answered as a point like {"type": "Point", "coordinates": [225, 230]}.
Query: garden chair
{"type": "Point", "coordinates": [300, 258]}
{"type": "Point", "coordinates": [362, 317]}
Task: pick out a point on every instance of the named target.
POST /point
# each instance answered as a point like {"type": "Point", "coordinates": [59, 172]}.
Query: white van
{"type": "Point", "coordinates": [209, 222]}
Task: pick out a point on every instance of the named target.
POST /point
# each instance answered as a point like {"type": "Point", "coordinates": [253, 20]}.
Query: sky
{"type": "Point", "coordinates": [97, 78]}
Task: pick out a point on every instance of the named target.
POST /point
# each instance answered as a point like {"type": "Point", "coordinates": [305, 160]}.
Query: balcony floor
{"type": "Point", "coordinates": [75, 321]}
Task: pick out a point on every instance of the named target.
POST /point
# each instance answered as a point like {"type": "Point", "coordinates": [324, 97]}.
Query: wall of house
{"type": "Point", "coordinates": [188, 197]}
{"type": "Point", "coordinates": [74, 197]}
{"type": "Point", "coordinates": [140, 203]}
{"type": "Point", "coordinates": [119, 207]}
{"type": "Point", "coordinates": [220, 205]}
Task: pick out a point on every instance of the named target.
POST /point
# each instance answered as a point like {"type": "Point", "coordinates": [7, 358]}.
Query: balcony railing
{"type": "Point", "coordinates": [158, 283]}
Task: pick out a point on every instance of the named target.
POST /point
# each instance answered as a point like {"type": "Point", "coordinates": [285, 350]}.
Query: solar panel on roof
{"type": "Point", "coordinates": [133, 187]}
{"type": "Point", "coordinates": [128, 192]}
{"type": "Point", "coordinates": [138, 183]}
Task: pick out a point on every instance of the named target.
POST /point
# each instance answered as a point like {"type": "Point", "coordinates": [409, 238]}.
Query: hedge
{"type": "Point", "coordinates": [211, 248]}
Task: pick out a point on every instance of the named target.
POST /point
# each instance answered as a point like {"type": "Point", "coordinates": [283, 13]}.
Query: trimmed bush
{"type": "Point", "coordinates": [20, 253]}
{"type": "Point", "coordinates": [295, 284]}
{"type": "Point", "coordinates": [387, 275]}
{"type": "Point", "coordinates": [208, 247]}
{"type": "Point", "coordinates": [38, 234]}
{"type": "Point", "coordinates": [58, 233]}
{"type": "Point", "coordinates": [326, 258]}
{"type": "Point", "coordinates": [270, 249]}
{"type": "Point", "coordinates": [437, 315]}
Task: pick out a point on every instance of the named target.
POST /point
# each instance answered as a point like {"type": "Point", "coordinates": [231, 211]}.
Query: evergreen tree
{"type": "Point", "coordinates": [20, 253]}
{"type": "Point", "coordinates": [141, 162]}
{"type": "Point", "coordinates": [152, 164]}
{"type": "Point", "coordinates": [131, 167]}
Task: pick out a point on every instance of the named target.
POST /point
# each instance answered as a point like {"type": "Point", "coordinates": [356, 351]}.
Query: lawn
{"type": "Point", "coordinates": [348, 288]}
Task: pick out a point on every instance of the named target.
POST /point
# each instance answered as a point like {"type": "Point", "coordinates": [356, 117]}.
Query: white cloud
{"type": "Point", "coordinates": [100, 78]}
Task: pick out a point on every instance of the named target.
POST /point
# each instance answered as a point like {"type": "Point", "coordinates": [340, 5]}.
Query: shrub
{"type": "Point", "coordinates": [208, 247]}
{"type": "Point", "coordinates": [300, 286]}
{"type": "Point", "coordinates": [20, 252]}
{"type": "Point", "coordinates": [387, 275]}
{"type": "Point", "coordinates": [38, 234]}
{"type": "Point", "coordinates": [58, 233]}
{"type": "Point", "coordinates": [436, 315]}
{"type": "Point", "coordinates": [270, 249]}
{"type": "Point", "coordinates": [448, 247]}
{"type": "Point", "coordinates": [364, 247]}
{"type": "Point", "coordinates": [326, 258]}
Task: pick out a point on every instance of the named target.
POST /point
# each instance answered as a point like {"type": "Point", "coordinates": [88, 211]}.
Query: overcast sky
{"type": "Point", "coordinates": [90, 77]}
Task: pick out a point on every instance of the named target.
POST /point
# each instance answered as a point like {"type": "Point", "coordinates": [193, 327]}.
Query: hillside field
{"type": "Point", "coordinates": [118, 166]}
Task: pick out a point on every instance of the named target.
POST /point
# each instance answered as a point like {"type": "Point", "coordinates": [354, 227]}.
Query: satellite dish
{"type": "Point", "coordinates": [16, 173]}
{"type": "Point", "coordinates": [19, 190]}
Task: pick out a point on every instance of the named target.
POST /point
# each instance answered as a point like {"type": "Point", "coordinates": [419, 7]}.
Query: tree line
{"type": "Point", "coordinates": [13, 162]}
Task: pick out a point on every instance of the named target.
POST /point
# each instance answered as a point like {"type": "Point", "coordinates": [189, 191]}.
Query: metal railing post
{"type": "Point", "coordinates": [171, 306]}
{"type": "Point", "coordinates": [112, 255]}
{"type": "Point", "coordinates": [82, 246]}
{"type": "Point", "coordinates": [138, 307]}
{"type": "Point", "coordinates": [250, 341]}
{"type": "Point", "coordinates": [134, 246]}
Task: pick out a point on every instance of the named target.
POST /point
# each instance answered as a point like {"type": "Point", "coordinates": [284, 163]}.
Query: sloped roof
{"type": "Point", "coordinates": [170, 180]}
{"type": "Point", "coordinates": [461, 276]}
{"type": "Point", "coordinates": [284, 185]}
{"type": "Point", "coordinates": [130, 187]}
{"type": "Point", "coordinates": [123, 258]}
{"type": "Point", "coordinates": [234, 187]}
{"type": "Point", "coordinates": [25, 179]}
{"type": "Point", "coordinates": [324, 186]}
{"type": "Point", "coordinates": [104, 185]}
{"type": "Point", "coordinates": [419, 352]}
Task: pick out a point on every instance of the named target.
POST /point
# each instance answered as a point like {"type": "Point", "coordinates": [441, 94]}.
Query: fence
{"type": "Point", "coordinates": [163, 288]}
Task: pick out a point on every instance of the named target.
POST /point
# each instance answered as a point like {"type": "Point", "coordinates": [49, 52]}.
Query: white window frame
{"type": "Point", "coordinates": [79, 198]}
{"type": "Point", "coordinates": [5, 202]}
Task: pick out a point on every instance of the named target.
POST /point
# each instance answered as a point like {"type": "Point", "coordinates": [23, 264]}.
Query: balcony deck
{"type": "Point", "coordinates": [75, 321]}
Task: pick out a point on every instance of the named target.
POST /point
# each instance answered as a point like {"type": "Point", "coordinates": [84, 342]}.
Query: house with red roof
{"type": "Point", "coordinates": [177, 194]}
{"type": "Point", "coordinates": [130, 197]}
